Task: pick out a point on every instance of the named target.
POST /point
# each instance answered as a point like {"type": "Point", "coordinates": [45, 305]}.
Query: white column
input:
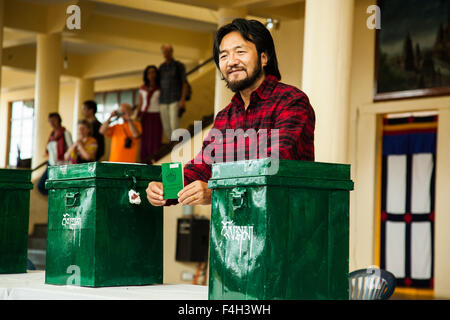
{"type": "Point", "coordinates": [46, 99]}
{"type": "Point", "coordinates": [326, 73]}
{"type": "Point", "coordinates": [84, 91]}
{"type": "Point", "coordinates": [2, 8]}
{"type": "Point", "coordinates": [223, 95]}
{"type": "Point", "coordinates": [3, 120]}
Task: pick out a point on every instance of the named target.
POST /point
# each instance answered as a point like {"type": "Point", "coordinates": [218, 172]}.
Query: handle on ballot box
{"type": "Point", "coordinates": [131, 173]}
{"type": "Point", "coordinates": [72, 199]}
{"type": "Point", "coordinates": [238, 196]}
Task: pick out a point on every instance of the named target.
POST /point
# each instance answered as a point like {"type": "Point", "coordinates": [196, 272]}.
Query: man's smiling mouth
{"type": "Point", "coordinates": [235, 70]}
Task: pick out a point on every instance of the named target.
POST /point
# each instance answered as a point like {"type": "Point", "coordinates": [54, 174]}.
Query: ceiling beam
{"type": "Point", "coordinates": [141, 37]}
{"type": "Point", "coordinates": [213, 5]}
{"type": "Point", "coordinates": [13, 37]}
{"type": "Point", "coordinates": [257, 9]}
{"type": "Point", "coordinates": [23, 57]}
{"type": "Point", "coordinates": [168, 8]}
{"type": "Point", "coordinates": [26, 16]}
{"type": "Point", "coordinates": [252, 4]}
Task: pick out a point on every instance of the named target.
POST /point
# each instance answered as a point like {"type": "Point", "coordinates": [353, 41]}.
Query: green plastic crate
{"type": "Point", "coordinates": [279, 231]}
{"type": "Point", "coordinates": [95, 236]}
{"type": "Point", "coordinates": [15, 189]}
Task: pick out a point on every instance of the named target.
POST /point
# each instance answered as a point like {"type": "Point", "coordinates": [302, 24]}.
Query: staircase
{"type": "Point", "coordinates": [36, 246]}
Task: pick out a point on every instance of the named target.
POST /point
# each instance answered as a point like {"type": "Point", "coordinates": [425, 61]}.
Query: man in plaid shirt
{"type": "Point", "coordinates": [245, 55]}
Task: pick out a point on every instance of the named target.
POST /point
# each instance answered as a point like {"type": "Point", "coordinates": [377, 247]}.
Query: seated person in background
{"type": "Point", "coordinates": [85, 148]}
{"type": "Point", "coordinates": [124, 137]}
{"type": "Point", "coordinates": [89, 110]}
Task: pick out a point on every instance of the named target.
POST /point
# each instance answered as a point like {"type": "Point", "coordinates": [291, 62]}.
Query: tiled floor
{"type": "Point", "coordinates": [405, 294]}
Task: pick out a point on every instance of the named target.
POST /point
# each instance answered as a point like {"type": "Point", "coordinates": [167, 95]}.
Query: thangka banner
{"type": "Point", "coordinates": [407, 200]}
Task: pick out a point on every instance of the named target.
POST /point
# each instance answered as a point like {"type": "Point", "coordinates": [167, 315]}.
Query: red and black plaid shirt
{"type": "Point", "coordinates": [274, 105]}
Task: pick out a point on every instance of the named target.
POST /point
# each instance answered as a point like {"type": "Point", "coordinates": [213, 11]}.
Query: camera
{"type": "Point", "coordinates": [117, 115]}
{"type": "Point", "coordinates": [128, 142]}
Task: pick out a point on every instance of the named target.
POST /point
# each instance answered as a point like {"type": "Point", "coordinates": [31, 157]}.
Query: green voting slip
{"type": "Point", "coordinates": [172, 179]}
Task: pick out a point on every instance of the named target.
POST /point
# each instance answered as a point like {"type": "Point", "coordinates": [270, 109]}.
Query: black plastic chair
{"type": "Point", "coordinates": [371, 284]}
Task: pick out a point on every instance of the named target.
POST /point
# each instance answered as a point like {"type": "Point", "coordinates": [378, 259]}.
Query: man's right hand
{"type": "Point", "coordinates": [155, 194]}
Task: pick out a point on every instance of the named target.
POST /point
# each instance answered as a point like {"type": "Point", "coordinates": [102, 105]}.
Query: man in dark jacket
{"type": "Point", "coordinates": [89, 110]}
{"type": "Point", "coordinates": [173, 90]}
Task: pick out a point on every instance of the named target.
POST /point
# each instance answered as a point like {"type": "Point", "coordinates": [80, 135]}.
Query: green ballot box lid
{"type": "Point", "coordinates": [15, 178]}
{"type": "Point", "coordinates": [269, 171]}
{"type": "Point", "coordinates": [105, 170]}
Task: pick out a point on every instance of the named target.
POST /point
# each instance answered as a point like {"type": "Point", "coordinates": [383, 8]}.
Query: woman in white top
{"type": "Point", "coordinates": [58, 142]}
{"type": "Point", "coordinates": [149, 114]}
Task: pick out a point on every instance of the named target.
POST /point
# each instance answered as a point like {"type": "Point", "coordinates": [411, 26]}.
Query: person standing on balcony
{"type": "Point", "coordinates": [124, 137]}
{"type": "Point", "coordinates": [59, 141]}
{"type": "Point", "coordinates": [149, 114]}
{"type": "Point", "coordinates": [89, 110]}
{"type": "Point", "coordinates": [173, 90]}
{"type": "Point", "coordinates": [245, 55]}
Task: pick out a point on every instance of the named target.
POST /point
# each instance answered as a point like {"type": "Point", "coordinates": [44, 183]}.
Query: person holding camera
{"type": "Point", "coordinates": [124, 137]}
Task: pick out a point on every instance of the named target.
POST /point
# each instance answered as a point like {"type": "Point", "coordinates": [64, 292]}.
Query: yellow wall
{"type": "Point", "coordinates": [202, 100]}
{"type": "Point", "coordinates": [362, 154]}
{"type": "Point", "coordinates": [288, 40]}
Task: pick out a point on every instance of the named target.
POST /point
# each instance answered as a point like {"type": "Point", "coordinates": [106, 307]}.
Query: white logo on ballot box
{"type": "Point", "coordinates": [238, 234]}
{"type": "Point", "coordinates": [71, 223]}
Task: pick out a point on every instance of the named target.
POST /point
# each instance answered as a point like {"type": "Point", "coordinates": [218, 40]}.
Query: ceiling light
{"type": "Point", "coordinates": [271, 23]}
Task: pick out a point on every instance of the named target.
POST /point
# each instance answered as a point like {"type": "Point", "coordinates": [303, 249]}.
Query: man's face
{"type": "Point", "coordinates": [86, 112]}
{"type": "Point", "coordinates": [126, 109]}
{"type": "Point", "coordinates": [239, 62]}
{"type": "Point", "coordinates": [167, 51]}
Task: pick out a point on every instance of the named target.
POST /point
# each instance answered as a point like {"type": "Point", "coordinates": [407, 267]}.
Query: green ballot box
{"type": "Point", "coordinates": [279, 230]}
{"type": "Point", "coordinates": [15, 189]}
{"type": "Point", "coordinates": [100, 233]}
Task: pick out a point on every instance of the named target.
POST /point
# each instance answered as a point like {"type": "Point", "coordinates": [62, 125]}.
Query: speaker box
{"type": "Point", "coordinates": [192, 240]}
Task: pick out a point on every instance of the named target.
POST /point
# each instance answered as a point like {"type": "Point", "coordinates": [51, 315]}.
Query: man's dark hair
{"type": "Point", "coordinates": [91, 105]}
{"type": "Point", "coordinates": [55, 115]}
{"type": "Point", "coordinates": [145, 78]}
{"type": "Point", "coordinates": [255, 32]}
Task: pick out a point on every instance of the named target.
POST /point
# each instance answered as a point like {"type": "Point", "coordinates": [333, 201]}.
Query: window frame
{"type": "Point", "coordinates": [134, 90]}
{"type": "Point", "coordinates": [8, 134]}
